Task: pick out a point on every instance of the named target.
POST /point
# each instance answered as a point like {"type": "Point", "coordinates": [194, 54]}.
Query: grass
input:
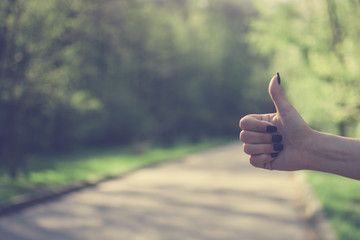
{"type": "Point", "coordinates": [45, 173]}
{"type": "Point", "coordinates": [340, 198]}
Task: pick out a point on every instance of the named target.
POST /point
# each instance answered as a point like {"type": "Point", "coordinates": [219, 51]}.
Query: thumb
{"type": "Point", "coordinates": [277, 95]}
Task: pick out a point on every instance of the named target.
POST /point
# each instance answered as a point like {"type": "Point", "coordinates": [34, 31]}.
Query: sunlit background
{"type": "Point", "coordinates": [85, 74]}
{"type": "Point", "coordinates": [88, 81]}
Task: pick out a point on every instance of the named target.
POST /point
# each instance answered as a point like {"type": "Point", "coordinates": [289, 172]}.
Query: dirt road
{"type": "Point", "coordinates": [206, 196]}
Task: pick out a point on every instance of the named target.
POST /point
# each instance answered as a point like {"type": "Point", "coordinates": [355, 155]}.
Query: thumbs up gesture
{"type": "Point", "coordinates": [276, 141]}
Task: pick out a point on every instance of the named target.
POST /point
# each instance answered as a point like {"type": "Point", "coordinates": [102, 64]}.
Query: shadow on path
{"type": "Point", "coordinates": [206, 196]}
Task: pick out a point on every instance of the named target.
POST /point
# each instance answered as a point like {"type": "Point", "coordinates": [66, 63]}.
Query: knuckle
{"type": "Point", "coordinates": [254, 161]}
{"type": "Point", "coordinates": [247, 149]}
{"type": "Point", "coordinates": [243, 136]}
{"type": "Point", "coordinates": [242, 122]}
{"type": "Point", "coordinates": [259, 160]}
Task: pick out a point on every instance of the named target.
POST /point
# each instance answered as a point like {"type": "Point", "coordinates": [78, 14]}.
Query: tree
{"type": "Point", "coordinates": [34, 79]}
{"type": "Point", "coordinates": [120, 72]}
{"type": "Point", "coordinates": [315, 45]}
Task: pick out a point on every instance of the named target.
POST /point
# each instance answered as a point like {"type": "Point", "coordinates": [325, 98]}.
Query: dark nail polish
{"type": "Point", "coordinates": [274, 155]}
{"type": "Point", "coordinates": [271, 129]}
{"type": "Point", "coordinates": [278, 77]}
{"type": "Point", "coordinates": [278, 147]}
{"type": "Point", "coordinates": [276, 138]}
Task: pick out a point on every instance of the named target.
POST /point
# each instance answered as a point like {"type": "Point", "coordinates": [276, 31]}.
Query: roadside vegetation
{"type": "Point", "coordinates": [51, 172]}
{"type": "Point", "coordinates": [93, 73]}
{"type": "Point", "coordinates": [340, 198]}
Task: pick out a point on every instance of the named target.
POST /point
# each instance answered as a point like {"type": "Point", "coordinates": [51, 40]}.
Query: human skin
{"type": "Point", "coordinates": [303, 147]}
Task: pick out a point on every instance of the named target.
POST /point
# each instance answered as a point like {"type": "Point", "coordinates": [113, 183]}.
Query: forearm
{"type": "Point", "coordinates": [334, 154]}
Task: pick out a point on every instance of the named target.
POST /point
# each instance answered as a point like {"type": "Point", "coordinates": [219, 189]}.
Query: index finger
{"type": "Point", "coordinates": [257, 123]}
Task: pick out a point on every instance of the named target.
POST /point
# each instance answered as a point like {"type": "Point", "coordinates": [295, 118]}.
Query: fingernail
{"type": "Point", "coordinates": [274, 155]}
{"type": "Point", "coordinates": [278, 147]}
{"type": "Point", "coordinates": [278, 77]}
{"type": "Point", "coordinates": [276, 138]}
{"type": "Point", "coordinates": [271, 129]}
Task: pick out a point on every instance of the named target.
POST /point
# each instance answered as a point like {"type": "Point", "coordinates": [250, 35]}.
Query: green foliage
{"type": "Point", "coordinates": [340, 198]}
{"type": "Point", "coordinates": [91, 73]}
{"type": "Point", "coordinates": [314, 44]}
{"type": "Point", "coordinates": [54, 171]}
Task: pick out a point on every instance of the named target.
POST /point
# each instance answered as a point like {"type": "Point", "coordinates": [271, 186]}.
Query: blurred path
{"type": "Point", "coordinates": [211, 195]}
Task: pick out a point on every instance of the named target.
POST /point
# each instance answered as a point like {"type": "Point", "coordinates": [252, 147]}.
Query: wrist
{"type": "Point", "coordinates": [334, 154]}
{"type": "Point", "coordinates": [324, 153]}
{"type": "Point", "coordinates": [311, 148]}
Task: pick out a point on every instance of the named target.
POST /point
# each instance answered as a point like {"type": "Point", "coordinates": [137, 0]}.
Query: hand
{"type": "Point", "coordinates": [260, 134]}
